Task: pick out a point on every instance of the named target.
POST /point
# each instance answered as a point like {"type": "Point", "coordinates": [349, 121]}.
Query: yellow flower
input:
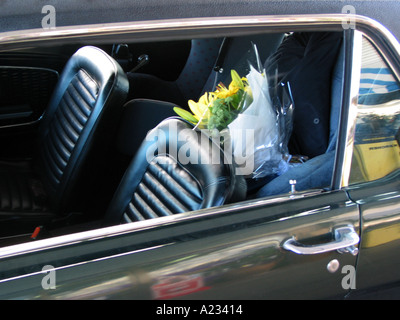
{"type": "Point", "coordinates": [216, 102]}
{"type": "Point", "coordinates": [236, 84]}
{"type": "Point", "coordinates": [201, 109]}
{"type": "Point", "coordinates": [222, 92]}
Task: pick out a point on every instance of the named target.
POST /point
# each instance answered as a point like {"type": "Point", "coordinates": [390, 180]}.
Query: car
{"type": "Point", "coordinates": [88, 212]}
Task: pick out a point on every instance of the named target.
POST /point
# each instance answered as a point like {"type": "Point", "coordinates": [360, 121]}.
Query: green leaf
{"type": "Point", "coordinates": [236, 79]}
{"type": "Point", "coordinates": [185, 115]}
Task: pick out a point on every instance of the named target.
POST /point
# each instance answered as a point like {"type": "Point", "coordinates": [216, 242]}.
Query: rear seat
{"type": "Point", "coordinates": [156, 102]}
{"type": "Point", "coordinates": [210, 62]}
{"type": "Point", "coordinates": [317, 172]}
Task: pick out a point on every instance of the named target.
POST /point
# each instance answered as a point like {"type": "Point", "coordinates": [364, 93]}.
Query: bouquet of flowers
{"type": "Point", "coordinates": [258, 126]}
{"type": "Point", "coordinates": [216, 110]}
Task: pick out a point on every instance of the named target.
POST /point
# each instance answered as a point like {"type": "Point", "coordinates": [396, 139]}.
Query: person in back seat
{"type": "Point", "coordinates": [307, 60]}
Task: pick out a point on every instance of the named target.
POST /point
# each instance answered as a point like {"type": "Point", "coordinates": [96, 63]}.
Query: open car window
{"type": "Point", "coordinates": [275, 89]}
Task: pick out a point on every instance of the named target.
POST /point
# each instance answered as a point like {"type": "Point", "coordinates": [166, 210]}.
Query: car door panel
{"type": "Point", "coordinates": [27, 81]}
{"type": "Point", "coordinates": [236, 254]}
{"type": "Point", "coordinates": [373, 177]}
{"type": "Point", "coordinates": [380, 241]}
{"type": "Point", "coordinates": [25, 93]}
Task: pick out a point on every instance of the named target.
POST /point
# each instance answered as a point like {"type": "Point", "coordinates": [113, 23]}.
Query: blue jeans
{"type": "Point", "coordinates": [315, 173]}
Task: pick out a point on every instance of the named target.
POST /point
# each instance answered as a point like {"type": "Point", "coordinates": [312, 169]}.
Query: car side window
{"type": "Point", "coordinates": [376, 150]}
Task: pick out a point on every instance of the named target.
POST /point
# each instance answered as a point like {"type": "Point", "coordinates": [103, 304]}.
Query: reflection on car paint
{"type": "Point", "coordinates": [176, 286]}
{"type": "Point", "coordinates": [376, 150]}
{"type": "Point", "coordinates": [201, 272]}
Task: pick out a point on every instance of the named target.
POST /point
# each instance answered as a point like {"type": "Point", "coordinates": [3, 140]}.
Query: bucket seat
{"type": "Point", "coordinates": [75, 130]}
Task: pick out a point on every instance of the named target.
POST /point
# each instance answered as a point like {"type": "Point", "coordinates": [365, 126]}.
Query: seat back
{"type": "Point", "coordinates": [237, 53]}
{"type": "Point", "coordinates": [200, 62]}
{"type": "Point", "coordinates": [177, 169]}
{"type": "Point", "coordinates": [190, 81]}
{"type": "Point", "coordinates": [209, 62]}
{"type": "Point", "coordinates": [336, 98]}
{"type": "Point", "coordinates": [79, 120]}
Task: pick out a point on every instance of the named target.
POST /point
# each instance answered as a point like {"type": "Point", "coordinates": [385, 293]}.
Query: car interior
{"type": "Point", "coordinates": [74, 120]}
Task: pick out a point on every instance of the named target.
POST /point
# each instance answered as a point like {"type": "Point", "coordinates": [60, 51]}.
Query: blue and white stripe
{"type": "Point", "coordinates": [376, 77]}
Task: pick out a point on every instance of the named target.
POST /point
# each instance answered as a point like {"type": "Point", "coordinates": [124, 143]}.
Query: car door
{"type": "Point", "coordinates": [226, 253]}
{"type": "Point", "coordinates": [27, 81]}
{"type": "Point", "coordinates": [297, 245]}
{"type": "Point", "coordinates": [373, 175]}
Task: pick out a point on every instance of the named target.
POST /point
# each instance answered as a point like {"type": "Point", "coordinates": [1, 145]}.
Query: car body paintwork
{"type": "Point", "coordinates": [379, 206]}
{"type": "Point", "coordinates": [233, 250]}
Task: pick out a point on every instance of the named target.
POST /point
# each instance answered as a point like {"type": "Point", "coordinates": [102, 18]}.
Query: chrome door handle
{"type": "Point", "coordinates": [345, 240]}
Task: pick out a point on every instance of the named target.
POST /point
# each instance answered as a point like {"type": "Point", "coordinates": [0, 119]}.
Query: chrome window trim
{"type": "Point", "coordinates": [384, 41]}
{"type": "Point", "coordinates": [182, 29]}
{"type": "Point", "coordinates": [352, 109]}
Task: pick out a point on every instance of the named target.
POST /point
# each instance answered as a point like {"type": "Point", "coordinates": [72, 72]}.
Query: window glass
{"type": "Point", "coordinates": [376, 149]}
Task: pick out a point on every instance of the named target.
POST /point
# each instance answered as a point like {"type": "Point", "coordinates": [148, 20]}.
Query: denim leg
{"type": "Point", "coordinates": [315, 173]}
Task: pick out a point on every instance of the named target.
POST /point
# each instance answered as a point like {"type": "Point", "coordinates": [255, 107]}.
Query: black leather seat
{"type": "Point", "coordinates": [76, 128]}
{"type": "Point", "coordinates": [190, 81]}
{"type": "Point", "coordinates": [209, 62]}
{"type": "Point", "coordinates": [177, 169]}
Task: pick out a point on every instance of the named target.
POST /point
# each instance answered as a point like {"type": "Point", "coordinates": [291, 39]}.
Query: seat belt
{"type": "Point", "coordinates": [218, 66]}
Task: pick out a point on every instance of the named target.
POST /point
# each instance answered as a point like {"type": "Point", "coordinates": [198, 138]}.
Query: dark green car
{"type": "Point", "coordinates": [92, 208]}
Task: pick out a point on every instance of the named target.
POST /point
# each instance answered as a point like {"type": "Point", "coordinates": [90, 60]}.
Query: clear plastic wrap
{"type": "Point", "coordinates": [254, 118]}
{"type": "Point", "coordinates": [268, 118]}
